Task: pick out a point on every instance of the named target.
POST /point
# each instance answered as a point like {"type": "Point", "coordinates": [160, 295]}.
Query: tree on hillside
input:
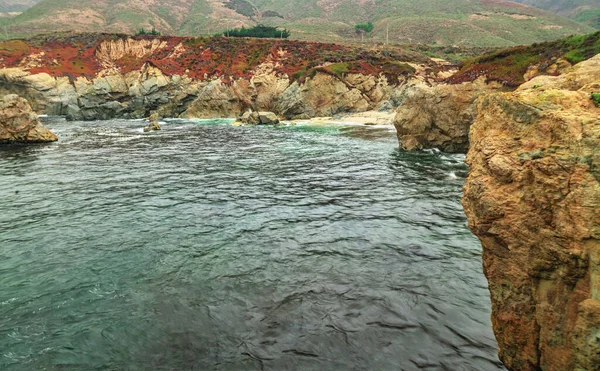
{"type": "Point", "coordinates": [260, 31]}
{"type": "Point", "coordinates": [153, 32]}
{"type": "Point", "coordinates": [364, 28]}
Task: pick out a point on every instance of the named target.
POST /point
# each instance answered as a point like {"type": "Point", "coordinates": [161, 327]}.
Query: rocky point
{"type": "Point", "coordinates": [533, 198]}
{"type": "Point", "coordinates": [19, 124]}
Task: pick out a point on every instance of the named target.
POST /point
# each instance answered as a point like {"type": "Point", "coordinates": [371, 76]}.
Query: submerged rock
{"type": "Point", "coordinates": [19, 124]}
{"type": "Point", "coordinates": [533, 198]}
{"type": "Point", "coordinates": [153, 126]}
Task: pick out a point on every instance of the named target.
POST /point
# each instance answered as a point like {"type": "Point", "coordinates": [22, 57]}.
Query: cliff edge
{"type": "Point", "coordinates": [533, 198]}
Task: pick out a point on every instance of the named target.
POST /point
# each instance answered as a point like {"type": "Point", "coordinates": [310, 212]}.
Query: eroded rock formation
{"type": "Point", "coordinates": [438, 116]}
{"type": "Point", "coordinates": [134, 94]}
{"type": "Point", "coordinates": [100, 76]}
{"type": "Point", "coordinates": [533, 198]}
{"type": "Point", "coordinates": [19, 124]}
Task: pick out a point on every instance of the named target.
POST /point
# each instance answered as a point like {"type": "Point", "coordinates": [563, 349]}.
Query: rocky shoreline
{"type": "Point", "coordinates": [532, 195]}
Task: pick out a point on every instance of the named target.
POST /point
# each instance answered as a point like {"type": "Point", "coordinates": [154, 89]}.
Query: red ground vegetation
{"type": "Point", "coordinates": [74, 55]}
{"type": "Point", "coordinates": [508, 66]}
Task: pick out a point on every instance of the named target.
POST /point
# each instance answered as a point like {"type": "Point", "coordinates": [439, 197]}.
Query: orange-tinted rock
{"type": "Point", "coordinates": [18, 122]}
{"type": "Point", "coordinates": [533, 198]}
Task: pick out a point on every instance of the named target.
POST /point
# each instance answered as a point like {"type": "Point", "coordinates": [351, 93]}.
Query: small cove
{"type": "Point", "coordinates": [211, 247]}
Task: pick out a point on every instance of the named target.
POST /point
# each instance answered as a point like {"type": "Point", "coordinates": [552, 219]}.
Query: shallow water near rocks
{"type": "Point", "coordinates": [211, 247]}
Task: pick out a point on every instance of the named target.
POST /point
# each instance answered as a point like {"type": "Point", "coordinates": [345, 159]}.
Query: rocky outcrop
{"type": "Point", "coordinates": [135, 94]}
{"type": "Point", "coordinates": [547, 68]}
{"type": "Point", "coordinates": [19, 124]}
{"type": "Point", "coordinates": [257, 118]}
{"type": "Point", "coordinates": [438, 116]}
{"type": "Point", "coordinates": [152, 126]}
{"type": "Point", "coordinates": [533, 198]}
{"type": "Point", "coordinates": [102, 76]}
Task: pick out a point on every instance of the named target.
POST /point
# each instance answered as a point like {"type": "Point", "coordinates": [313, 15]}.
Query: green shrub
{"type": "Point", "coordinates": [366, 27]}
{"type": "Point", "coordinates": [153, 32]}
{"type": "Point", "coordinates": [595, 97]}
{"type": "Point", "coordinates": [260, 31]}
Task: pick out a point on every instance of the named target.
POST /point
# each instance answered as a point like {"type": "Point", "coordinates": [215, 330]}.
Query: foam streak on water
{"type": "Point", "coordinates": [211, 247]}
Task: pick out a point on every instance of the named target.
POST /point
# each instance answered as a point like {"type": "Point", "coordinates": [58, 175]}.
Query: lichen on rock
{"type": "Point", "coordinates": [533, 198]}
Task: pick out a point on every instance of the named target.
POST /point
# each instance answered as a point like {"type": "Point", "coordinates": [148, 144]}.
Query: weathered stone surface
{"type": "Point", "coordinates": [533, 198]}
{"type": "Point", "coordinates": [112, 94]}
{"type": "Point", "coordinates": [438, 116]}
{"type": "Point", "coordinates": [152, 126]}
{"type": "Point", "coordinates": [268, 118]}
{"type": "Point", "coordinates": [326, 95]}
{"type": "Point", "coordinates": [18, 122]}
{"type": "Point", "coordinates": [258, 118]}
{"type": "Point", "coordinates": [555, 68]}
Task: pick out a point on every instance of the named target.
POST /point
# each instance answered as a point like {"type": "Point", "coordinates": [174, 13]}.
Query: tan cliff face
{"type": "Point", "coordinates": [109, 52]}
{"type": "Point", "coordinates": [533, 198]}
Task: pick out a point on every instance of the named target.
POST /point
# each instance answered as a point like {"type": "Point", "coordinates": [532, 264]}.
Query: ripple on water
{"type": "Point", "coordinates": [211, 247]}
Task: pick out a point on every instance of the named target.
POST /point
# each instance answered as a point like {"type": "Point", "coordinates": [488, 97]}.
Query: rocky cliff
{"type": "Point", "coordinates": [19, 124]}
{"type": "Point", "coordinates": [438, 116]}
{"type": "Point", "coordinates": [533, 198]}
{"type": "Point", "coordinates": [96, 76]}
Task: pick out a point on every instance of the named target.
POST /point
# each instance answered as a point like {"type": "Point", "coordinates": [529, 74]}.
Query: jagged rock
{"type": "Point", "coordinates": [252, 119]}
{"type": "Point", "coordinates": [438, 116]}
{"type": "Point", "coordinates": [533, 198]}
{"type": "Point", "coordinates": [112, 94]}
{"type": "Point", "coordinates": [326, 95]}
{"type": "Point", "coordinates": [18, 122]}
{"type": "Point", "coordinates": [152, 126]}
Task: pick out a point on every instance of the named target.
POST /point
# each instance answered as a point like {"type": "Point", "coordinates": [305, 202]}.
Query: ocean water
{"type": "Point", "coordinates": [211, 247]}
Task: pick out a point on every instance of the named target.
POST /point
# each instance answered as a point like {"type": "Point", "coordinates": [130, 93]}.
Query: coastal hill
{"type": "Point", "coordinates": [584, 11]}
{"type": "Point", "coordinates": [460, 22]}
{"type": "Point", "coordinates": [16, 5]}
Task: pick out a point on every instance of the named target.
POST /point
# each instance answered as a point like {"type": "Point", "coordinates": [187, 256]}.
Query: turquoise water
{"type": "Point", "coordinates": [211, 247]}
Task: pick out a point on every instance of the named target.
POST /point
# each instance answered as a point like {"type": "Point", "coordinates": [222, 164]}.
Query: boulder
{"type": "Point", "coordinates": [19, 124]}
{"type": "Point", "coordinates": [259, 118]}
{"type": "Point", "coordinates": [532, 197]}
{"type": "Point", "coordinates": [152, 126]}
{"type": "Point", "coordinates": [267, 118]}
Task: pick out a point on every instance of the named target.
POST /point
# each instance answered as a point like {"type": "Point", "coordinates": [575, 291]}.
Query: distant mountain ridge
{"type": "Point", "coordinates": [585, 11]}
{"type": "Point", "coordinates": [458, 22]}
{"type": "Point", "coordinates": [16, 5]}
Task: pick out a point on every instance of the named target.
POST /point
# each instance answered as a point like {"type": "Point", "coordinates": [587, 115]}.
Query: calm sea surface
{"type": "Point", "coordinates": [211, 247]}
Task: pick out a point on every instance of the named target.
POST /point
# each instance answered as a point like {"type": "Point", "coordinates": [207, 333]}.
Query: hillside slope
{"type": "Point", "coordinates": [510, 66]}
{"type": "Point", "coordinates": [460, 22]}
{"type": "Point", "coordinates": [16, 5]}
{"type": "Point", "coordinates": [585, 11]}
